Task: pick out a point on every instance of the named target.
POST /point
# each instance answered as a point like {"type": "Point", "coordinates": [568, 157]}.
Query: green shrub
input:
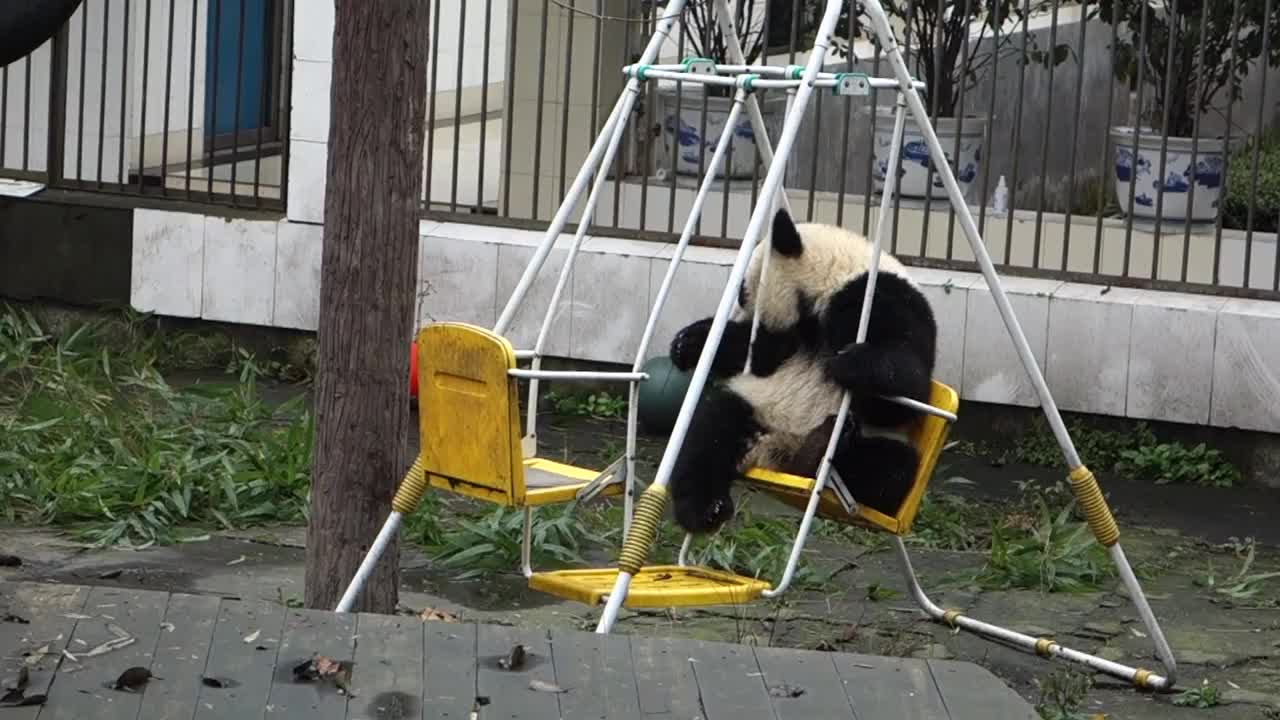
{"type": "Point", "coordinates": [1266, 205]}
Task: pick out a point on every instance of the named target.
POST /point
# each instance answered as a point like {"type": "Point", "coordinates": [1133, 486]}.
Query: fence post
{"type": "Point", "coordinates": [54, 158]}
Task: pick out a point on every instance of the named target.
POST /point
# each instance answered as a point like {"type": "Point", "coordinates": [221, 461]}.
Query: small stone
{"type": "Point", "coordinates": [1200, 657]}
{"type": "Point", "coordinates": [1110, 652]}
{"type": "Point", "coordinates": [933, 651]}
{"type": "Point", "coordinates": [1110, 603]}
{"type": "Point", "coordinates": [1100, 630]}
{"type": "Point", "coordinates": [1250, 697]}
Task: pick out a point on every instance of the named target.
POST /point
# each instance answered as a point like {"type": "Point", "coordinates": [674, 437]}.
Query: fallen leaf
{"type": "Point", "coordinates": [110, 575]}
{"type": "Point", "coordinates": [1233, 685]}
{"type": "Point", "coordinates": [786, 691]}
{"type": "Point", "coordinates": [133, 679]}
{"type": "Point", "coordinates": [513, 661]}
{"type": "Point", "coordinates": [34, 658]}
{"type": "Point", "coordinates": [77, 616]}
{"type": "Point", "coordinates": [67, 654]}
{"type": "Point", "coordinates": [437, 615]}
{"type": "Point", "coordinates": [252, 636]}
{"type": "Point", "coordinates": [168, 626]}
{"type": "Point", "coordinates": [237, 561]}
{"type": "Point", "coordinates": [117, 630]}
{"type": "Point", "coordinates": [326, 667]}
{"type": "Point", "coordinates": [11, 618]}
{"type": "Point", "coordinates": [23, 701]}
{"type": "Point", "coordinates": [1137, 633]}
{"type": "Point", "coordinates": [217, 682]}
{"type": "Point", "coordinates": [110, 645]}
{"type": "Point", "coordinates": [543, 686]}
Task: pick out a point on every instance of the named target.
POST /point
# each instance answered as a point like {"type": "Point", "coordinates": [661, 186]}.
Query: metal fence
{"type": "Point", "coordinates": [184, 99]}
{"type": "Point", "coordinates": [1033, 98]}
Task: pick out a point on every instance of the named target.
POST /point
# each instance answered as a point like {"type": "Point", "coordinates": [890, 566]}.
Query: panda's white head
{"type": "Point", "coordinates": [809, 260]}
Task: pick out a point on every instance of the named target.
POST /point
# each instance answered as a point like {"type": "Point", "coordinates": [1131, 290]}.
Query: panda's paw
{"type": "Point", "coordinates": [687, 345]}
{"type": "Point", "coordinates": [848, 368]}
{"type": "Point", "coordinates": [704, 518]}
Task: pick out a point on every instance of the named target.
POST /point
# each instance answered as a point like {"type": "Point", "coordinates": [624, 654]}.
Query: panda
{"type": "Point", "coordinates": [780, 413]}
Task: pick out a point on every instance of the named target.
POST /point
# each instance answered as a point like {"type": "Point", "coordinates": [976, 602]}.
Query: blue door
{"type": "Point", "coordinates": [224, 43]}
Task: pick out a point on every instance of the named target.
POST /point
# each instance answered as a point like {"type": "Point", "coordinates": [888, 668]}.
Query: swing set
{"type": "Point", "coordinates": [467, 379]}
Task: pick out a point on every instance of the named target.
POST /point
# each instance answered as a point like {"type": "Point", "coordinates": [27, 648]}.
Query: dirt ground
{"type": "Point", "coordinates": [1175, 537]}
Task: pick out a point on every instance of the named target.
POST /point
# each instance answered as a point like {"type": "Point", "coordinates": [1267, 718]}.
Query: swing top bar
{"type": "Point", "coordinates": [788, 76]}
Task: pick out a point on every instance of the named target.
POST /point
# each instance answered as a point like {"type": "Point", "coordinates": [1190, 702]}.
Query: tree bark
{"type": "Point", "coordinates": [368, 272]}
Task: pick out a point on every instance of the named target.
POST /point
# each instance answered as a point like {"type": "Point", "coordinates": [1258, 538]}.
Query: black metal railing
{"type": "Point", "coordinates": [1037, 93]}
{"type": "Point", "coordinates": [182, 99]}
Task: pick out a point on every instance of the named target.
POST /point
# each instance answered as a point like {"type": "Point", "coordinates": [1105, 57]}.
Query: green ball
{"type": "Point", "coordinates": [662, 394]}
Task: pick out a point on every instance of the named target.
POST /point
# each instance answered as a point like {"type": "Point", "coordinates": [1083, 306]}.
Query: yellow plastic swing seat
{"type": "Point", "coordinates": [469, 423]}
{"type": "Point", "coordinates": [928, 437]}
{"type": "Point", "coordinates": [655, 586]}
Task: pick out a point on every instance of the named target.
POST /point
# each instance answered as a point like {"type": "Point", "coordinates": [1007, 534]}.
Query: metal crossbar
{"type": "Point", "coordinates": [641, 517]}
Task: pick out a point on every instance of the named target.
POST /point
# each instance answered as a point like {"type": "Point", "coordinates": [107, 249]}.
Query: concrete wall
{"type": "Point", "coordinates": [1112, 351]}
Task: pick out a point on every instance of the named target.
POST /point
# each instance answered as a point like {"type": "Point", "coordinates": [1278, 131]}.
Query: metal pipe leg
{"type": "Point", "coordinates": [526, 543]}
{"type": "Point", "coordinates": [683, 559]}
{"type": "Point", "coordinates": [369, 562]}
{"type": "Point", "coordinates": [1044, 647]}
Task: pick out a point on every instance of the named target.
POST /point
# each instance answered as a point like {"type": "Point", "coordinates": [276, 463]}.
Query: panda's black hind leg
{"type": "Point", "coordinates": [877, 471]}
{"type": "Point", "coordinates": [721, 431]}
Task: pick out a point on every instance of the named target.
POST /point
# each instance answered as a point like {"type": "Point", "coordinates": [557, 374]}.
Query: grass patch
{"type": "Point", "coordinates": [950, 522]}
{"type": "Point", "coordinates": [487, 543]}
{"type": "Point", "coordinates": [1135, 455]}
{"type": "Point", "coordinates": [1062, 695]}
{"type": "Point", "coordinates": [601, 405]}
{"type": "Point", "coordinates": [758, 547]}
{"type": "Point", "coordinates": [1048, 551]}
{"type": "Point", "coordinates": [92, 436]}
{"type": "Point", "coordinates": [1203, 697]}
{"type": "Point", "coordinates": [1243, 587]}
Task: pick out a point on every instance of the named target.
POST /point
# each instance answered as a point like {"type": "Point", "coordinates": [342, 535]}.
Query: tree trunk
{"type": "Point", "coordinates": [368, 272]}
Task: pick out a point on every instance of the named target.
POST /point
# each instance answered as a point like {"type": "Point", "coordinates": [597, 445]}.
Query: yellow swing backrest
{"type": "Point", "coordinates": [469, 413]}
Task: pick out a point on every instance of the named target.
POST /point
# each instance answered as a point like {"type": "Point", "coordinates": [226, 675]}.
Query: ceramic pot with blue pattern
{"type": "Point", "coordinates": [1180, 178]}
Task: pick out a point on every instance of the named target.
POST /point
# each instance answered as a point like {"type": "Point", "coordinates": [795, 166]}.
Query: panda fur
{"type": "Point", "coordinates": [780, 414]}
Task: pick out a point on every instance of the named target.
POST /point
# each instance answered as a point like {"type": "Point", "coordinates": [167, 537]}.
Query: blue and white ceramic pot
{"type": "Point", "coordinates": [913, 180]}
{"type": "Point", "coordinates": [1186, 184]}
{"type": "Point", "coordinates": [693, 141]}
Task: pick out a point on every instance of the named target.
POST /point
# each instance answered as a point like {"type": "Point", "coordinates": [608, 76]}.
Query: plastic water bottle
{"type": "Point", "coordinates": [1000, 199]}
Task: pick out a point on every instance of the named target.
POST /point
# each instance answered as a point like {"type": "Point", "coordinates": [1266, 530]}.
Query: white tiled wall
{"type": "Point", "coordinates": [992, 370]}
{"type": "Point", "coordinates": [239, 271]}
{"type": "Point", "coordinates": [1136, 353]}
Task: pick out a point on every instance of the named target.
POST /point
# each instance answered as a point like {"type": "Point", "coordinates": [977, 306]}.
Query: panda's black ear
{"type": "Point", "coordinates": [785, 238]}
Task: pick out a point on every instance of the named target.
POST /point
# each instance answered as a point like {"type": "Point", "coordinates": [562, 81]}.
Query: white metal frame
{"type": "Point", "coordinates": [800, 82]}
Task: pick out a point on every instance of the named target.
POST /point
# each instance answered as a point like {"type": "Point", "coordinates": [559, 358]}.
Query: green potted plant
{"type": "Point", "coordinates": [1213, 46]}
{"type": "Point", "coordinates": [935, 34]}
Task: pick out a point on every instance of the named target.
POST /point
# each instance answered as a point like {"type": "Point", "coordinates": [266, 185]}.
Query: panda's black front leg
{"type": "Point", "coordinates": [879, 369]}
{"type": "Point", "coordinates": [730, 357]}
{"type": "Point", "coordinates": [877, 471]}
{"type": "Point", "coordinates": [721, 431]}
